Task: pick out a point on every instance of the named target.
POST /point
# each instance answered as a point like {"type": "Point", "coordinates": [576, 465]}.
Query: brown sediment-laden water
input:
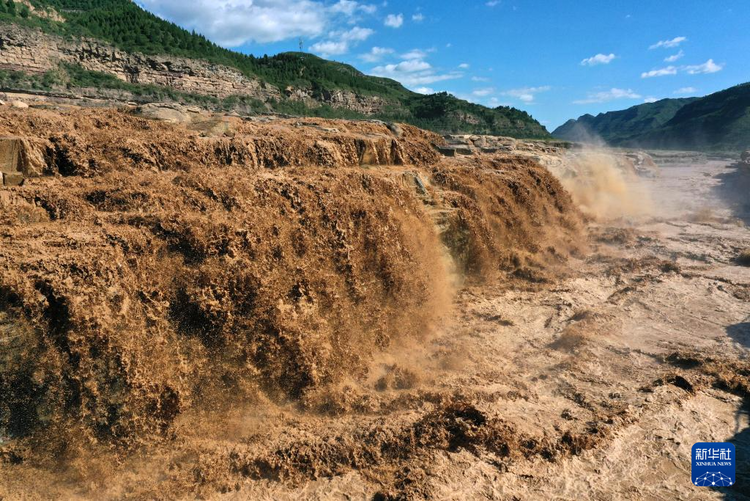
{"type": "Point", "coordinates": [319, 309]}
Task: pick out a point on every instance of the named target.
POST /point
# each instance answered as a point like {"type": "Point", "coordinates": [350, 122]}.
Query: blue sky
{"type": "Point", "coordinates": [556, 60]}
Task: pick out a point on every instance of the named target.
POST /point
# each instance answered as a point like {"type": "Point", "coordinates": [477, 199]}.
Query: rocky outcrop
{"type": "Point", "coordinates": [643, 164]}
{"type": "Point", "coordinates": [468, 144]}
{"type": "Point", "coordinates": [173, 113]}
{"type": "Point", "coordinates": [19, 158]}
{"type": "Point", "coordinates": [340, 99]}
{"type": "Point", "coordinates": [33, 51]}
{"type": "Point", "coordinates": [555, 155]}
{"type": "Point", "coordinates": [367, 105]}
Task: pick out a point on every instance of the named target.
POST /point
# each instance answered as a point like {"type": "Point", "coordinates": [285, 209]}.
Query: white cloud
{"type": "Point", "coordinates": [412, 65]}
{"type": "Point", "coordinates": [662, 72]}
{"type": "Point", "coordinates": [418, 17]}
{"type": "Point", "coordinates": [464, 66]}
{"type": "Point", "coordinates": [232, 23]}
{"type": "Point", "coordinates": [526, 94]}
{"type": "Point", "coordinates": [357, 34]}
{"type": "Point", "coordinates": [609, 95]}
{"type": "Point", "coordinates": [598, 59]}
{"type": "Point", "coordinates": [414, 54]}
{"type": "Point", "coordinates": [669, 44]}
{"type": "Point", "coordinates": [394, 21]}
{"type": "Point", "coordinates": [484, 92]}
{"type": "Point", "coordinates": [351, 7]}
{"type": "Point", "coordinates": [685, 90]}
{"type": "Point", "coordinates": [414, 73]}
{"type": "Point", "coordinates": [341, 41]}
{"type": "Point", "coordinates": [376, 54]}
{"type": "Point", "coordinates": [347, 7]}
{"type": "Point", "coordinates": [330, 48]}
{"type": "Point", "coordinates": [424, 90]}
{"type": "Point", "coordinates": [708, 67]}
{"type": "Point", "coordinates": [492, 3]}
{"type": "Point", "coordinates": [675, 57]}
{"type": "Point", "coordinates": [480, 79]}
{"type": "Point", "coordinates": [650, 99]}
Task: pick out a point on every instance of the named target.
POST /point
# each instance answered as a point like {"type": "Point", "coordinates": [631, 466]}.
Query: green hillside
{"type": "Point", "coordinates": [130, 28]}
{"type": "Point", "coordinates": [718, 122]}
{"type": "Point", "coordinates": [616, 127]}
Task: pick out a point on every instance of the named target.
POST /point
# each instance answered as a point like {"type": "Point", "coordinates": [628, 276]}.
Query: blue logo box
{"type": "Point", "coordinates": [714, 464]}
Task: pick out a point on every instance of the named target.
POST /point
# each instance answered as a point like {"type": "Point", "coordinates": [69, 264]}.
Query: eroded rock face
{"type": "Point", "coordinates": [500, 144]}
{"type": "Point", "coordinates": [173, 113]}
{"type": "Point", "coordinates": [341, 99]}
{"type": "Point", "coordinates": [36, 52]}
{"type": "Point", "coordinates": [367, 105]}
{"type": "Point", "coordinates": [10, 153]}
{"type": "Point", "coordinates": [19, 158]}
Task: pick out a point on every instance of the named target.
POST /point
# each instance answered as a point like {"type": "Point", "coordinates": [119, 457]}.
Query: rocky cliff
{"type": "Point", "coordinates": [32, 51]}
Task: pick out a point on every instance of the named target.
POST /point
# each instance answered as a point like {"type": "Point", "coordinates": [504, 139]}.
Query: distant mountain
{"type": "Point", "coordinates": [616, 127]}
{"type": "Point", "coordinates": [115, 49]}
{"type": "Point", "coordinates": [718, 122]}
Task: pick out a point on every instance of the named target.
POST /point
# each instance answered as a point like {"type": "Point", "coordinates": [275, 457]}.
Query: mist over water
{"type": "Point", "coordinates": [604, 185]}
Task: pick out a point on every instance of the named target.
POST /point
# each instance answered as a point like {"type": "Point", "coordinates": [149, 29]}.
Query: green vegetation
{"type": "Point", "coordinates": [24, 81]}
{"type": "Point", "coordinates": [445, 113]}
{"type": "Point", "coordinates": [719, 122]}
{"type": "Point", "coordinates": [437, 112]}
{"type": "Point", "coordinates": [125, 25]}
{"type": "Point", "coordinates": [616, 127]}
{"type": "Point", "coordinates": [10, 8]}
